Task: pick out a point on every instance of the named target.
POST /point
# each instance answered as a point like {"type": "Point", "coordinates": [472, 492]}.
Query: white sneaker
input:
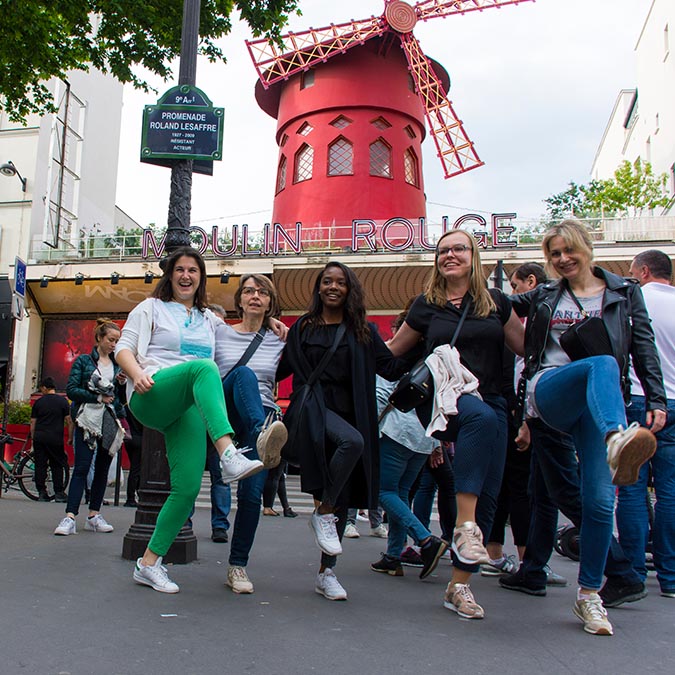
{"type": "Point", "coordinates": [154, 576]}
{"type": "Point", "coordinates": [380, 531]}
{"type": "Point", "coordinates": [238, 580]}
{"type": "Point", "coordinates": [98, 524]}
{"type": "Point", "coordinates": [328, 585]}
{"type": "Point", "coordinates": [272, 438]}
{"type": "Point", "coordinates": [351, 532]}
{"type": "Point", "coordinates": [234, 466]}
{"type": "Point", "coordinates": [325, 533]}
{"type": "Point", "coordinates": [65, 527]}
{"type": "Point", "coordinates": [627, 450]}
{"type": "Point", "coordinates": [592, 612]}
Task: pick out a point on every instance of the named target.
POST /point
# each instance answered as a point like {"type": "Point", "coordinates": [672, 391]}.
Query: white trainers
{"type": "Point", "coordinates": [627, 450]}
{"type": "Point", "coordinates": [325, 533]}
{"type": "Point", "coordinates": [328, 585]}
{"type": "Point", "coordinates": [98, 524]}
{"type": "Point", "coordinates": [351, 532]}
{"type": "Point", "coordinates": [154, 576]}
{"type": "Point", "coordinates": [238, 580]}
{"type": "Point", "coordinates": [380, 531]}
{"type": "Point", "coordinates": [272, 438]}
{"type": "Point", "coordinates": [65, 527]}
{"type": "Point", "coordinates": [234, 466]}
{"type": "Point", "coordinates": [467, 543]}
{"type": "Point", "coordinates": [459, 599]}
{"type": "Point", "coordinates": [592, 612]}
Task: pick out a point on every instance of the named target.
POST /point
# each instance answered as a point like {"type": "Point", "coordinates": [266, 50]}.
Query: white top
{"type": "Point", "coordinates": [660, 301]}
{"type": "Point", "coordinates": [162, 334]}
{"type": "Point", "coordinates": [230, 346]}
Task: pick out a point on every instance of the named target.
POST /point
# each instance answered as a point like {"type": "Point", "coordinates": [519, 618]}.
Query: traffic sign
{"type": "Point", "coordinates": [19, 277]}
{"type": "Point", "coordinates": [17, 306]}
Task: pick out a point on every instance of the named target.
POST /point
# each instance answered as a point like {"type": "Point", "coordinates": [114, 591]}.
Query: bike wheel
{"type": "Point", "coordinates": [26, 470]}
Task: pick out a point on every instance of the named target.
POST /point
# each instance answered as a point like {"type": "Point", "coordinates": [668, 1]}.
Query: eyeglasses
{"type": "Point", "coordinates": [457, 249]}
{"type": "Point", "coordinates": [249, 290]}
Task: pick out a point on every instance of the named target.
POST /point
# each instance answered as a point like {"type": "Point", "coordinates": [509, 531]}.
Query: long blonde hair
{"type": "Point", "coordinates": [575, 235]}
{"type": "Point", "coordinates": [435, 290]}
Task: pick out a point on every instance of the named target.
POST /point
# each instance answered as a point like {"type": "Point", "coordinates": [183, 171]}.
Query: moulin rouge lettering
{"type": "Point", "coordinates": [394, 235]}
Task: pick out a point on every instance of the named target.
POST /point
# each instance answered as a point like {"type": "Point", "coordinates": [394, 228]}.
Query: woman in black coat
{"type": "Point", "coordinates": [332, 417]}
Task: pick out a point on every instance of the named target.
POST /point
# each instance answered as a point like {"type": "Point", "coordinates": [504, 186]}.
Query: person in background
{"type": "Point", "coordinates": [95, 409]}
{"type": "Point", "coordinates": [275, 484]}
{"type": "Point", "coordinates": [166, 351]}
{"type": "Point", "coordinates": [654, 270]}
{"type": "Point", "coordinates": [375, 518]}
{"type": "Point", "coordinates": [48, 415]}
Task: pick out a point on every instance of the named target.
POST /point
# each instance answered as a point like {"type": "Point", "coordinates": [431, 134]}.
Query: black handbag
{"type": "Point", "coordinates": [585, 338]}
{"type": "Point", "coordinates": [417, 385]}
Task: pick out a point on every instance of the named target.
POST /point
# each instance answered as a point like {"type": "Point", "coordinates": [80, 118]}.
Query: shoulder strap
{"type": "Point", "coordinates": [568, 288]}
{"type": "Point", "coordinates": [460, 324]}
{"type": "Point", "coordinates": [250, 350]}
{"type": "Point", "coordinates": [321, 366]}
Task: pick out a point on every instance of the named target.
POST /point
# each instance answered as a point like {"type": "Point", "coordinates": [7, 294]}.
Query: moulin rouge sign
{"type": "Point", "coordinates": [394, 235]}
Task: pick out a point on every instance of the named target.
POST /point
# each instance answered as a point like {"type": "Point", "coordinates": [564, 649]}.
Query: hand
{"type": "Point", "coordinates": [69, 441]}
{"type": "Point", "coordinates": [523, 438]}
{"type": "Point", "coordinates": [143, 383]}
{"type": "Point", "coordinates": [107, 399]}
{"type": "Point", "coordinates": [121, 377]}
{"type": "Point", "coordinates": [436, 457]}
{"type": "Point", "coordinates": [279, 328]}
{"type": "Point", "coordinates": [656, 420]}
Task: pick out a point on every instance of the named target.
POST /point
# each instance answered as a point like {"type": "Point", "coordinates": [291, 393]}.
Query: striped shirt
{"type": "Point", "coordinates": [230, 345]}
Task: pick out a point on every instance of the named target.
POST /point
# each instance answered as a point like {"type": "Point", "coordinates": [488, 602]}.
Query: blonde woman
{"type": "Point", "coordinates": [479, 429]}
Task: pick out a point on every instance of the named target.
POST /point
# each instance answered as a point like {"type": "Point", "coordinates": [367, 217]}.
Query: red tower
{"type": "Point", "coordinates": [350, 128]}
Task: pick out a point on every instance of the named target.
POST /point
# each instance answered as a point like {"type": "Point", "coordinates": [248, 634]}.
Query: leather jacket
{"type": "Point", "coordinates": [625, 316]}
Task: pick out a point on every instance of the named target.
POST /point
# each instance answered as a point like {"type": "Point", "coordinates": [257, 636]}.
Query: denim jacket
{"type": "Point", "coordinates": [625, 316]}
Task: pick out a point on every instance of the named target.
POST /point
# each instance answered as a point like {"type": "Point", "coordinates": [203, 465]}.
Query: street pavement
{"type": "Point", "coordinates": [68, 605]}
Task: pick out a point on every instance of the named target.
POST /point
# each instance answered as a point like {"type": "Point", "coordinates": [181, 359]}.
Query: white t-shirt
{"type": "Point", "coordinates": [660, 301]}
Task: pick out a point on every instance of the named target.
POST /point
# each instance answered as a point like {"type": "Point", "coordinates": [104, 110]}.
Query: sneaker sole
{"type": "Point", "coordinates": [320, 592]}
{"type": "Point", "coordinates": [275, 442]}
{"type": "Point", "coordinates": [537, 592]}
{"type": "Point", "coordinates": [434, 563]}
{"type": "Point", "coordinates": [391, 573]}
{"type": "Point", "coordinates": [634, 597]}
{"type": "Point", "coordinates": [452, 608]}
{"type": "Point", "coordinates": [492, 572]}
{"type": "Point", "coordinates": [245, 474]}
{"type": "Point", "coordinates": [415, 565]}
{"type": "Point", "coordinates": [95, 529]}
{"type": "Point", "coordinates": [64, 534]}
{"type": "Point", "coordinates": [599, 631]}
{"type": "Point", "coordinates": [144, 582]}
{"type": "Point", "coordinates": [239, 592]}
{"type": "Point", "coordinates": [633, 455]}
{"type": "Point", "coordinates": [485, 560]}
{"type": "Point", "coordinates": [316, 539]}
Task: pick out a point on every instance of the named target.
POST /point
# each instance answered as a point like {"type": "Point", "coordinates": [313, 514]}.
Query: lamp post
{"type": "Point", "coordinates": [155, 478]}
{"type": "Point", "coordinates": [9, 169]}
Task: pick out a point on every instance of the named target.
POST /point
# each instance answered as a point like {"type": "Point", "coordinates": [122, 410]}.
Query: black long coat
{"type": "Point", "coordinates": [306, 416]}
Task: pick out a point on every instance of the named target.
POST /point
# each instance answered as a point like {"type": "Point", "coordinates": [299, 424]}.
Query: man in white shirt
{"type": "Point", "coordinates": [653, 269]}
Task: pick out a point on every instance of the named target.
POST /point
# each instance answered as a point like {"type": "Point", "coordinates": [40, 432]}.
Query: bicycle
{"type": "Point", "coordinates": [21, 470]}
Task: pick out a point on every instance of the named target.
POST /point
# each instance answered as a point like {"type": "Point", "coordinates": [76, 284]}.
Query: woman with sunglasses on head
{"type": "Point", "coordinates": [585, 397]}
{"type": "Point", "coordinates": [457, 290]}
{"type": "Point", "coordinates": [334, 354]}
{"type": "Point", "coordinates": [247, 355]}
{"type": "Point", "coordinates": [173, 386]}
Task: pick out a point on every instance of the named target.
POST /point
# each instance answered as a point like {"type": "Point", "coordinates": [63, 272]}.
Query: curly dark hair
{"type": "Point", "coordinates": [354, 311]}
{"type": "Point", "coordinates": [163, 290]}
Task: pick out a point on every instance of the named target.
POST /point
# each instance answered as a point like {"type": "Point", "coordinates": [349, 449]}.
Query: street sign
{"type": "Point", "coordinates": [17, 306]}
{"type": "Point", "coordinates": [183, 125]}
{"type": "Point", "coordinates": [20, 277]}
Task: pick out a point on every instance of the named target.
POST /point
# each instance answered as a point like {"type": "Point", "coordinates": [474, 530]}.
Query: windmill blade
{"type": "Point", "coordinates": [431, 9]}
{"type": "Point", "coordinates": [300, 51]}
{"type": "Point", "coordinates": [455, 150]}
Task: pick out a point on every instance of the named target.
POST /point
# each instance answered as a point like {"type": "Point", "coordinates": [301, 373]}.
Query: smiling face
{"type": "Point", "coordinates": [255, 300]}
{"type": "Point", "coordinates": [454, 256]}
{"type": "Point", "coordinates": [185, 280]}
{"type": "Point", "coordinates": [107, 343]}
{"type": "Point", "coordinates": [567, 261]}
{"type": "Point", "coordinates": [333, 288]}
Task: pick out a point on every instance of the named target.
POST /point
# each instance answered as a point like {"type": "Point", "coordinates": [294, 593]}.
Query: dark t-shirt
{"type": "Point", "coordinates": [480, 341]}
{"type": "Point", "coordinates": [49, 412]}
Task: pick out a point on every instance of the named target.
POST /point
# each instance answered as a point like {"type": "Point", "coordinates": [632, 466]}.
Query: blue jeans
{"type": "Point", "coordinates": [632, 516]}
{"type": "Point", "coordinates": [554, 485]}
{"type": "Point", "coordinates": [398, 469]}
{"type": "Point", "coordinates": [247, 415]}
{"type": "Point", "coordinates": [221, 494]}
{"type": "Point", "coordinates": [83, 457]}
{"type": "Point", "coordinates": [583, 399]}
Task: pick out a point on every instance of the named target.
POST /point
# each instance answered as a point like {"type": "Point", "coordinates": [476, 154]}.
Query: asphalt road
{"type": "Point", "coordinates": [68, 605]}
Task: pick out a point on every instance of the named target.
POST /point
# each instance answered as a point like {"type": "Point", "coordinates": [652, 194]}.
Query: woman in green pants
{"type": "Point", "coordinates": [166, 350]}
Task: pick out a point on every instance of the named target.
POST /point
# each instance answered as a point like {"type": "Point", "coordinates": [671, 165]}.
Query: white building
{"type": "Point", "coordinates": [69, 161]}
{"type": "Point", "coordinates": [642, 124]}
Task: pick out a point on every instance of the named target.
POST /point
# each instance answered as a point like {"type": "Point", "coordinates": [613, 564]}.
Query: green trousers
{"type": "Point", "coordinates": [185, 402]}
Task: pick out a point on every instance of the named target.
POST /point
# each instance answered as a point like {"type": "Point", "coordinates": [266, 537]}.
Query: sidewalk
{"type": "Point", "coordinates": [68, 605]}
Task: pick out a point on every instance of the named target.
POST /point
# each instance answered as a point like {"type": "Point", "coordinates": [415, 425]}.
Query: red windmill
{"type": "Point", "coordinates": [363, 114]}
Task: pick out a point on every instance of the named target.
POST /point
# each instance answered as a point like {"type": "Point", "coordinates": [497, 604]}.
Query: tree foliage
{"type": "Point", "coordinates": [633, 189]}
{"type": "Point", "coordinates": [41, 40]}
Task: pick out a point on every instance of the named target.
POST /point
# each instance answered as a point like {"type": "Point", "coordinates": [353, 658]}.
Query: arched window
{"type": "Point", "coordinates": [304, 158]}
{"type": "Point", "coordinates": [380, 159]}
{"type": "Point", "coordinates": [410, 167]}
{"type": "Point", "coordinates": [340, 158]}
{"type": "Point", "coordinates": [281, 173]}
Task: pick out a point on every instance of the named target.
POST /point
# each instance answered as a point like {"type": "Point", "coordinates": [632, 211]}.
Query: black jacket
{"type": "Point", "coordinates": [624, 314]}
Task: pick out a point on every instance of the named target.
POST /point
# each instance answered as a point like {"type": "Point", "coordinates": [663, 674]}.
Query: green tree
{"type": "Point", "coordinates": [577, 200]}
{"type": "Point", "coordinates": [41, 40]}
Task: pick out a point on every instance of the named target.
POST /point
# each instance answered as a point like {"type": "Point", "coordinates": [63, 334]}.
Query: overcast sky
{"type": "Point", "coordinates": [533, 83]}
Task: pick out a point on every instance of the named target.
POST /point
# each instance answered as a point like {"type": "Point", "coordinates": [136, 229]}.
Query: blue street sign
{"type": "Point", "coordinates": [20, 277]}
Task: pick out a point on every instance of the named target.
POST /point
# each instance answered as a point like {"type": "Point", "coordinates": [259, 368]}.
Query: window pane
{"type": "Point", "coordinates": [281, 174]}
{"type": "Point", "coordinates": [380, 159]}
{"type": "Point", "coordinates": [303, 163]}
{"type": "Point", "coordinates": [410, 166]}
{"type": "Point", "coordinates": [340, 158]}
